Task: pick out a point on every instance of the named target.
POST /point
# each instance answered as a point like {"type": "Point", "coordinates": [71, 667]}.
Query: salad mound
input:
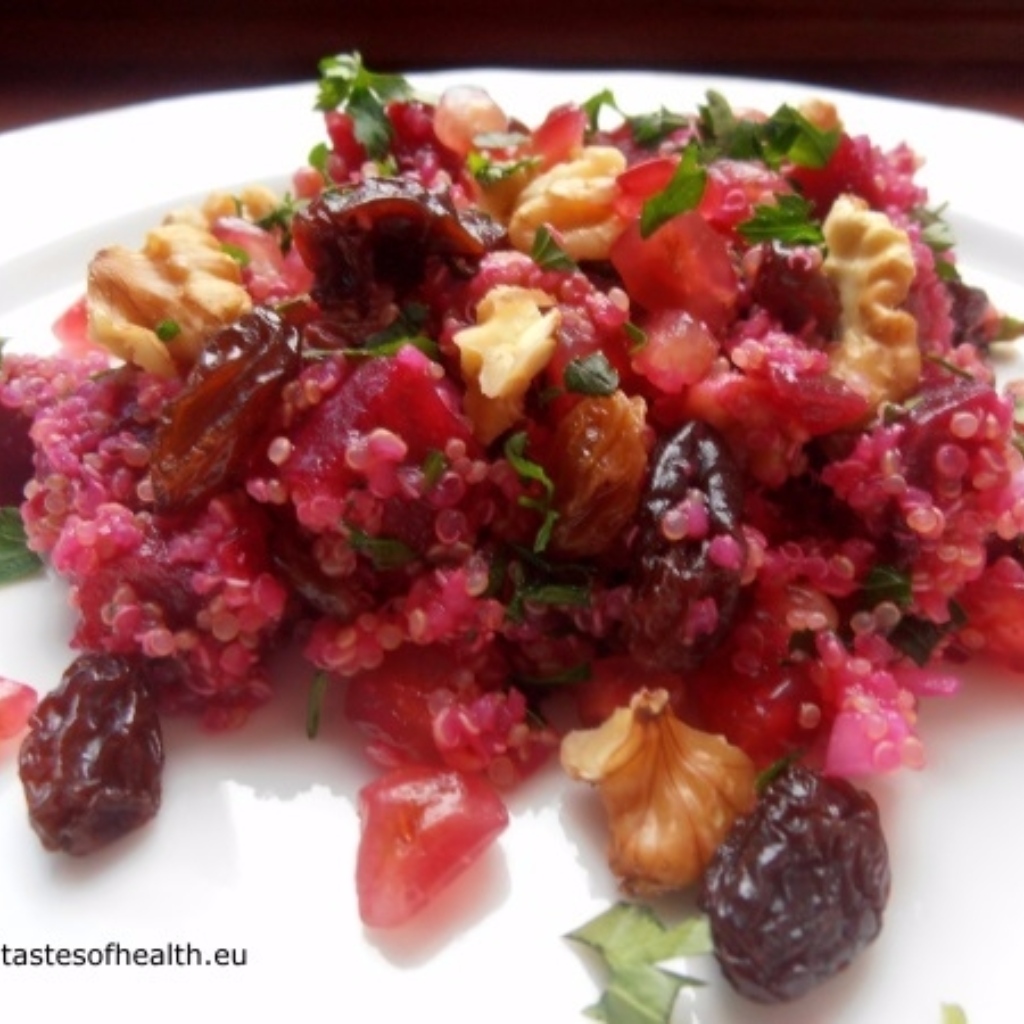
{"type": "Point", "coordinates": [683, 419]}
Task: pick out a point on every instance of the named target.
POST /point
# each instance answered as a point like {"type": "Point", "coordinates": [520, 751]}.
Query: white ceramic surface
{"type": "Point", "coordinates": [254, 848]}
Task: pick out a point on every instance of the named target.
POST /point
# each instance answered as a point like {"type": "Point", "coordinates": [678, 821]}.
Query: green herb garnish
{"type": "Point", "coordinates": [918, 638]}
{"type": "Point", "coordinates": [346, 83]}
{"type": "Point", "coordinates": [591, 375]}
{"type": "Point", "coordinates": [786, 135]}
{"type": "Point", "coordinates": [886, 583]}
{"type": "Point", "coordinates": [167, 330]}
{"type": "Point", "coordinates": [548, 254]}
{"type": "Point", "coordinates": [17, 560]}
{"type": "Point", "coordinates": [634, 945]}
{"type": "Point", "coordinates": [385, 552]}
{"type": "Point", "coordinates": [682, 193]}
{"type": "Point", "coordinates": [530, 473]}
{"type": "Point", "coordinates": [789, 221]}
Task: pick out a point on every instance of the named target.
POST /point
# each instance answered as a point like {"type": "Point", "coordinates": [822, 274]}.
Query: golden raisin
{"type": "Point", "coordinates": [600, 462]}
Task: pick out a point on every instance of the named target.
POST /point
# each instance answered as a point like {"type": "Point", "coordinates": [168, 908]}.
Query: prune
{"type": "Point", "coordinates": [209, 431]}
{"type": "Point", "coordinates": [380, 233]}
{"type": "Point", "coordinates": [690, 551]}
{"type": "Point", "coordinates": [799, 886]}
{"type": "Point", "coordinates": [92, 762]}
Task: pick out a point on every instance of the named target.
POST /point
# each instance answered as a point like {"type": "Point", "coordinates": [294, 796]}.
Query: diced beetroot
{"type": "Point", "coordinates": [401, 394]}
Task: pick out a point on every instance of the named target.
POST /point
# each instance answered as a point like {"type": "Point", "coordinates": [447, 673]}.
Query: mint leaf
{"type": "Point", "coordinates": [16, 559]}
{"type": "Point", "coordinates": [683, 192]}
{"type": "Point", "coordinates": [789, 220]}
{"type": "Point", "coordinates": [385, 552]}
{"type": "Point", "coordinates": [634, 944]}
{"type": "Point", "coordinates": [653, 128]}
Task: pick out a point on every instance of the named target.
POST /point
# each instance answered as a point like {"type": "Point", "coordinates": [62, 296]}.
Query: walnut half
{"type": "Point", "coordinates": [155, 306]}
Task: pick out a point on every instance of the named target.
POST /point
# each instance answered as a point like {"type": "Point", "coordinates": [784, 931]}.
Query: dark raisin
{"type": "Point", "coordinates": [687, 577]}
{"type": "Point", "coordinates": [209, 431]}
{"type": "Point", "coordinates": [799, 886]}
{"type": "Point", "coordinates": [92, 761]}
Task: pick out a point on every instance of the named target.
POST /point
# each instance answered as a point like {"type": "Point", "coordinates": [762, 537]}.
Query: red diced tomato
{"type": "Point", "coordinates": [684, 264]}
{"type": "Point", "coordinates": [422, 827]}
{"type": "Point", "coordinates": [560, 135]}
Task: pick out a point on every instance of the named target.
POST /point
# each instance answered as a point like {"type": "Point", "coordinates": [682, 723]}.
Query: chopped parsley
{"type": "Point", "coordinates": [886, 583]}
{"type": "Point", "coordinates": [530, 473]}
{"type": "Point", "coordinates": [785, 136]}
{"type": "Point", "coordinates": [683, 192]}
{"type": "Point", "coordinates": [17, 560]}
{"type": "Point", "coordinates": [789, 221]}
{"type": "Point", "coordinates": [591, 375]}
{"type": "Point", "coordinates": [918, 638]}
{"type": "Point", "coordinates": [384, 552]}
{"type": "Point", "coordinates": [346, 84]}
{"type": "Point", "coordinates": [548, 254]}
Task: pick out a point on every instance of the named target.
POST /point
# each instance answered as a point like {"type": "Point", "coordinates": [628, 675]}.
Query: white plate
{"type": "Point", "coordinates": [254, 849]}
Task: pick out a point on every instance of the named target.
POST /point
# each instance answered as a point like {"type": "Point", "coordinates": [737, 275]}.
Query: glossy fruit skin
{"type": "Point", "coordinates": [675, 578]}
{"type": "Point", "coordinates": [799, 886]}
{"type": "Point", "coordinates": [92, 762]}
{"type": "Point", "coordinates": [210, 430]}
{"type": "Point", "coordinates": [421, 828]}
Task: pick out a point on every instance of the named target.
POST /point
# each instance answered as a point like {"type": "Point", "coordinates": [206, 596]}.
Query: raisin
{"type": "Point", "coordinates": [598, 473]}
{"type": "Point", "coordinates": [690, 551]}
{"type": "Point", "coordinates": [91, 764]}
{"type": "Point", "coordinates": [799, 886]}
{"type": "Point", "coordinates": [209, 431]}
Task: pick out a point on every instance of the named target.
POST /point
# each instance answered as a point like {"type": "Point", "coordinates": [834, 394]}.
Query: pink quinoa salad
{"type": "Point", "coordinates": [682, 419]}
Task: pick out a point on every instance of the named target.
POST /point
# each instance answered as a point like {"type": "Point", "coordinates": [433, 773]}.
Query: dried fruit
{"type": "Point", "coordinates": [208, 432]}
{"type": "Point", "coordinates": [92, 761]}
{"type": "Point", "coordinates": [600, 462]}
{"type": "Point", "coordinates": [799, 886]}
{"type": "Point", "coordinates": [690, 550]}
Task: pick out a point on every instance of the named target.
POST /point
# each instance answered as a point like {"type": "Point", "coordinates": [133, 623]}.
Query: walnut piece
{"type": "Point", "coordinates": [181, 282]}
{"type": "Point", "coordinates": [872, 264]}
{"type": "Point", "coordinates": [575, 199]}
{"type": "Point", "coordinates": [512, 341]}
{"type": "Point", "coordinates": [671, 792]}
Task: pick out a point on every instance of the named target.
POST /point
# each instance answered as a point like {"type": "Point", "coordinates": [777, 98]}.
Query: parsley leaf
{"type": "Point", "coordinates": [591, 375]}
{"type": "Point", "coordinates": [16, 559]}
{"type": "Point", "coordinates": [634, 944]}
{"type": "Point", "coordinates": [385, 552]}
{"type": "Point", "coordinates": [788, 220]}
{"type": "Point", "coordinates": [786, 135]}
{"type": "Point", "coordinates": [347, 84]}
{"type": "Point", "coordinates": [682, 193]}
{"type": "Point", "coordinates": [548, 254]}
{"type": "Point", "coordinates": [489, 171]}
{"type": "Point", "coordinates": [887, 583]}
{"type": "Point", "coordinates": [593, 107]}
{"type": "Point", "coordinates": [653, 128]}
{"type": "Point", "coordinates": [533, 472]}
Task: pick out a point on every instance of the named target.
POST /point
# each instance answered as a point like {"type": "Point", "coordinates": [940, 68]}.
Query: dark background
{"type": "Point", "coordinates": [58, 57]}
